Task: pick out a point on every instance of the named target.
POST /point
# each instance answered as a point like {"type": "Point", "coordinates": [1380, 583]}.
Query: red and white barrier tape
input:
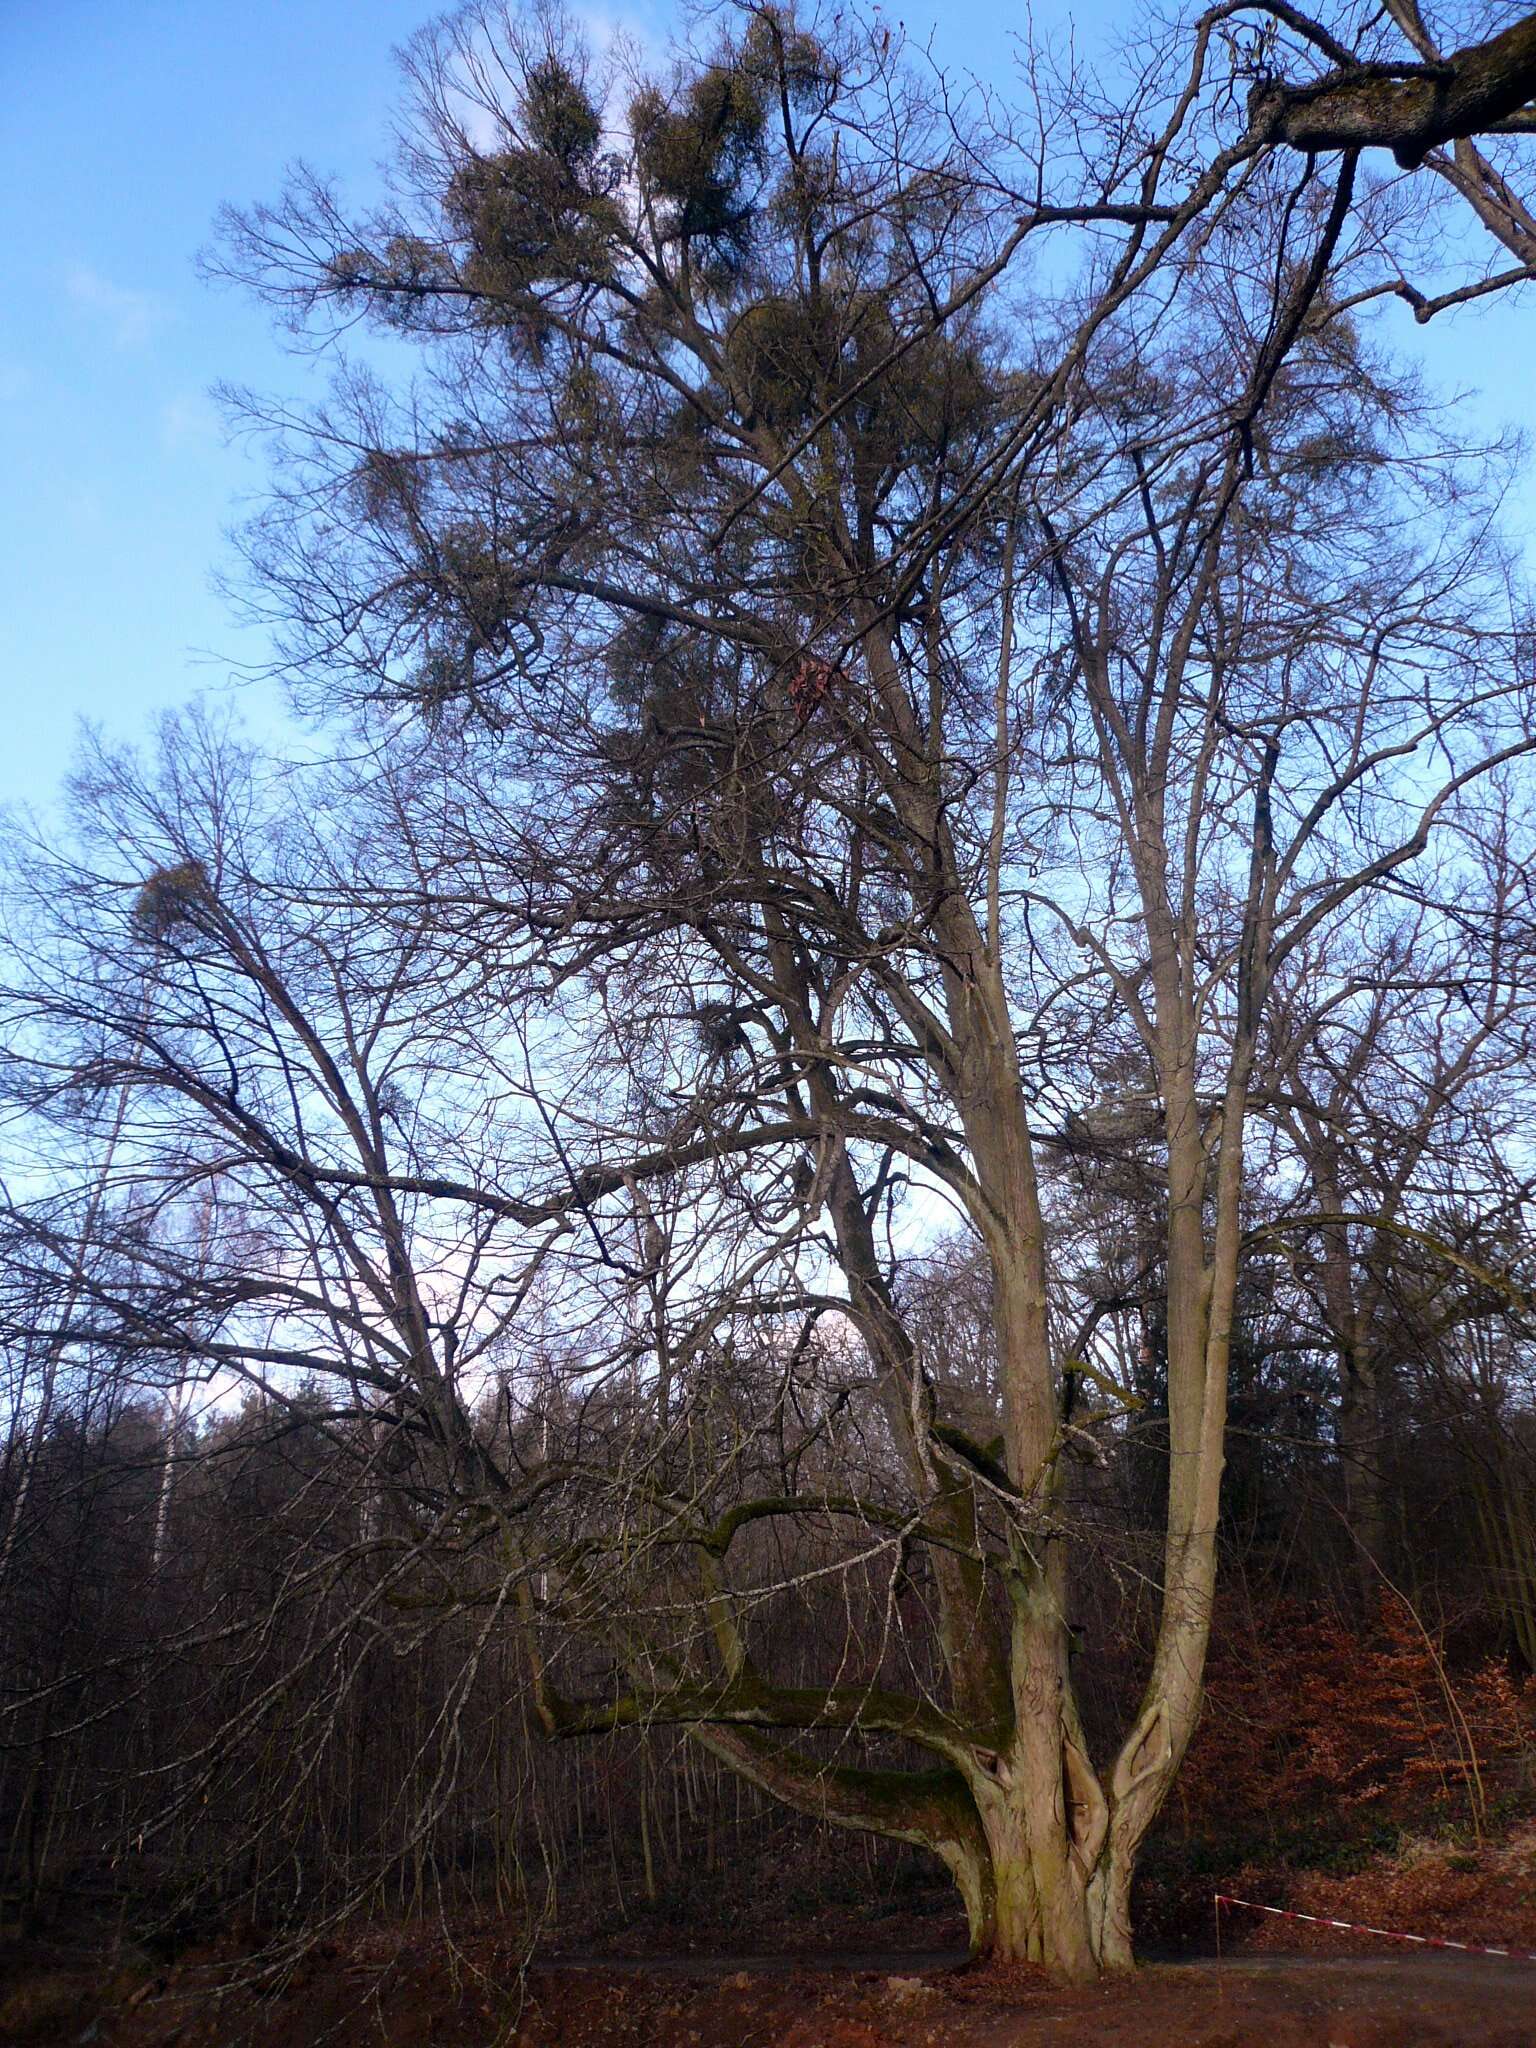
{"type": "Point", "coordinates": [1476, 1948]}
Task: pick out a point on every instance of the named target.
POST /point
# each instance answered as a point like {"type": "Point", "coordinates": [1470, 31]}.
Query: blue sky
{"type": "Point", "coordinates": [128, 123]}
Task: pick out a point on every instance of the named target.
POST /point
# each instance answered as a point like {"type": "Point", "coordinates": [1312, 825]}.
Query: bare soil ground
{"type": "Point", "coordinates": [419, 1991]}
{"type": "Point", "coordinates": [854, 1975]}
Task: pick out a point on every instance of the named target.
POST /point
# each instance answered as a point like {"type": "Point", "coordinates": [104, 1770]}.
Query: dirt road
{"type": "Point", "coordinates": [415, 1991]}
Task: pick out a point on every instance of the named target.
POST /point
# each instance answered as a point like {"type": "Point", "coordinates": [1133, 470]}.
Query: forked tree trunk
{"type": "Point", "coordinates": [1054, 1885]}
{"type": "Point", "coordinates": [1042, 1851]}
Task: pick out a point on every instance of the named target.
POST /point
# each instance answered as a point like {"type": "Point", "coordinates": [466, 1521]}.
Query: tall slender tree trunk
{"type": "Point", "coordinates": [1360, 1449]}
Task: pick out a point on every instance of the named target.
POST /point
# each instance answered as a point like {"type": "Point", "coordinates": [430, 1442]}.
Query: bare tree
{"type": "Point", "coordinates": [1399, 1083]}
{"type": "Point", "coordinates": [837, 691]}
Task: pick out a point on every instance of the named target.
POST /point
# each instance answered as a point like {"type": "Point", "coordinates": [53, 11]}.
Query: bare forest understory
{"type": "Point", "coordinates": [429, 1987]}
{"type": "Point", "coordinates": [755, 1928]}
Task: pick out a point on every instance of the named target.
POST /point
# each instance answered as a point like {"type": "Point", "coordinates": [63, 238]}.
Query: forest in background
{"type": "Point", "coordinates": [378, 1756]}
{"type": "Point", "coordinates": [855, 1154]}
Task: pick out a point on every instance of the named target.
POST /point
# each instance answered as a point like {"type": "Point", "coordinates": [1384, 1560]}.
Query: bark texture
{"type": "Point", "coordinates": [1409, 110]}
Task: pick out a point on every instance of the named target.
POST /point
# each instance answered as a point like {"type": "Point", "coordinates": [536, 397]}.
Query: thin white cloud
{"type": "Point", "coordinates": [624, 42]}
{"type": "Point", "coordinates": [606, 29]}
{"type": "Point", "coordinates": [129, 316]}
{"type": "Point", "coordinates": [481, 128]}
{"type": "Point", "coordinates": [189, 421]}
{"type": "Point", "coordinates": [84, 506]}
{"type": "Point", "coordinates": [620, 40]}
